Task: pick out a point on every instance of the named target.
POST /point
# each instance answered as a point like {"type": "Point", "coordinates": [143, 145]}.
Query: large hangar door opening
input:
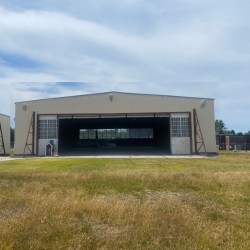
{"type": "Point", "coordinates": [82, 135]}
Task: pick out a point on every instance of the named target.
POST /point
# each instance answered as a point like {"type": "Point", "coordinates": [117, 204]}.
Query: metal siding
{"type": "Point", "coordinates": [43, 142]}
{"type": "Point", "coordinates": [180, 146]}
{"type": "Point", "coordinates": [120, 104]}
{"type": "Point", "coordinates": [207, 123]}
{"type": "Point", "coordinates": [5, 124]}
{"type": "Point", "coordinates": [22, 121]}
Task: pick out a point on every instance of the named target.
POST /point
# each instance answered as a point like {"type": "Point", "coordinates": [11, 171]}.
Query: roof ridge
{"type": "Point", "coordinates": [116, 92]}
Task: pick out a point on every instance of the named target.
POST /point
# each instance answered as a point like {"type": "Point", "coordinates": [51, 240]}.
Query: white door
{"type": "Point", "coordinates": [180, 134]}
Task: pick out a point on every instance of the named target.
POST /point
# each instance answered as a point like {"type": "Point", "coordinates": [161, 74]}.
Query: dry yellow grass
{"type": "Point", "coordinates": [126, 204]}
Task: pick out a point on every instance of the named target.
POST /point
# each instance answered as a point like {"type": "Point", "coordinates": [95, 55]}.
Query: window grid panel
{"type": "Point", "coordinates": [92, 134]}
{"type": "Point", "coordinates": [52, 129]}
{"type": "Point", "coordinates": [42, 129]}
{"type": "Point", "coordinates": [180, 127]}
{"type": "Point", "coordinates": [121, 133]}
{"type": "Point", "coordinates": [47, 129]}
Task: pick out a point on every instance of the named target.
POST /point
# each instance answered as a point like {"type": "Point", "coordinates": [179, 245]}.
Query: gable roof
{"type": "Point", "coordinates": [115, 92]}
{"type": "Point", "coordinates": [4, 115]}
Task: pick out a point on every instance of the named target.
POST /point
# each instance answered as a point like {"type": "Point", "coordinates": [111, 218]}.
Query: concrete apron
{"type": "Point", "coordinates": [7, 158]}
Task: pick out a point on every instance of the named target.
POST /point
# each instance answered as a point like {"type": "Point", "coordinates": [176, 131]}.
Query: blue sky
{"type": "Point", "coordinates": [52, 48]}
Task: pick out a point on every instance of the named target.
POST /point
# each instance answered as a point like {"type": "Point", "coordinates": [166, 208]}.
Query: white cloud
{"type": "Point", "coordinates": [49, 36]}
{"type": "Point", "coordinates": [140, 46]}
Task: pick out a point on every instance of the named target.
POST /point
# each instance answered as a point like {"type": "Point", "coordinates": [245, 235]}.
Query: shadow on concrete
{"type": "Point", "coordinates": [116, 151]}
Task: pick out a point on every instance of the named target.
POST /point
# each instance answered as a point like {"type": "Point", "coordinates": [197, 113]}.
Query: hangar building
{"type": "Point", "coordinates": [4, 134]}
{"type": "Point", "coordinates": [116, 122]}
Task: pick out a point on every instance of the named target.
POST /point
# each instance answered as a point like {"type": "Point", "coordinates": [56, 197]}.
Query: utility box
{"type": "Point", "coordinates": [4, 134]}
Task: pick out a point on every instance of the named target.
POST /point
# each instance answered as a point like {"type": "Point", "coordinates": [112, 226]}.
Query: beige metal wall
{"type": "Point", "coordinates": [5, 124]}
{"type": "Point", "coordinates": [107, 103]}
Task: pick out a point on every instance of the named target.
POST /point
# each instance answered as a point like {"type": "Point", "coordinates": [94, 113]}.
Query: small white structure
{"type": "Point", "coordinates": [50, 149]}
{"type": "Point", "coordinates": [4, 134]}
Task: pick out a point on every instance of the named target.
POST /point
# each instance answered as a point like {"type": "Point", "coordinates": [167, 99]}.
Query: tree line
{"type": "Point", "coordinates": [221, 128]}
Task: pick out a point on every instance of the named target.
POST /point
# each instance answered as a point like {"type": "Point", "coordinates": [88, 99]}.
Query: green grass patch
{"type": "Point", "coordinates": [62, 203]}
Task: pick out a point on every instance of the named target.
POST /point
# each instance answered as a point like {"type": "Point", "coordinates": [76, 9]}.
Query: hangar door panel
{"type": "Point", "coordinates": [47, 125]}
{"type": "Point", "coordinates": [180, 134]}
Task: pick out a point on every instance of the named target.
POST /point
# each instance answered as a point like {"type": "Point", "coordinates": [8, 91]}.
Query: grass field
{"type": "Point", "coordinates": [126, 203]}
